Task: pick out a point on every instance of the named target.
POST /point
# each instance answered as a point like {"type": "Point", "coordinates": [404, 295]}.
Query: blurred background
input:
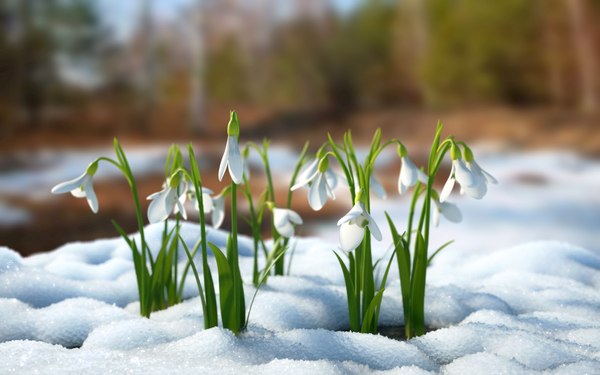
{"type": "Point", "coordinates": [510, 76]}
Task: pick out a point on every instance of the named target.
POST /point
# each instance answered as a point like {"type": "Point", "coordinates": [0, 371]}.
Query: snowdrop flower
{"type": "Point", "coordinates": [467, 180]}
{"type": "Point", "coordinates": [218, 210]}
{"type": "Point", "coordinates": [409, 173]}
{"type": "Point", "coordinates": [169, 200]}
{"type": "Point", "coordinates": [284, 220]}
{"type": "Point", "coordinates": [214, 205]}
{"type": "Point", "coordinates": [482, 178]}
{"type": "Point", "coordinates": [232, 158]}
{"type": "Point", "coordinates": [352, 226]}
{"type": "Point", "coordinates": [449, 210]}
{"type": "Point", "coordinates": [81, 187]}
{"type": "Point", "coordinates": [320, 184]}
{"type": "Point", "coordinates": [377, 188]}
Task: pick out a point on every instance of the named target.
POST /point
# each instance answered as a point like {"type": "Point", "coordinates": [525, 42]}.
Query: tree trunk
{"type": "Point", "coordinates": [584, 54]}
{"type": "Point", "coordinates": [197, 105]}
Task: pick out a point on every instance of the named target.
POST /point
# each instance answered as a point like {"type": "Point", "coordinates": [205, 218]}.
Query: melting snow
{"type": "Point", "coordinates": [500, 303]}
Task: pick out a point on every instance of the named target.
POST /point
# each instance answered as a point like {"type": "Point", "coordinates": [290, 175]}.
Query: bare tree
{"type": "Point", "coordinates": [553, 55]}
{"type": "Point", "coordinates": [147, 98]}
{"type": "Point", "coordinates": [197, 104]}
{"type": "Point", "coordinates": [584, 53]}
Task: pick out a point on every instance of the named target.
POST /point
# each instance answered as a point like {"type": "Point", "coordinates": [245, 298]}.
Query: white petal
{"type": "Point", "coordinates": [280, 216]}
{"type": "Point", "coordinates": [356, 211]}
{"type": "Point", "coordinates": [401, 187]}
{"type": "Point", "coordinates": [317, 195]}
{"type": "Point", "coordinates": [447, 189]}
{"type": "Point", "coordinates": [78, 192]}
{"type": "Point", "coordinates": [286, 229]}
{"type": "Point", "coordinates": [218, 214]}
{"type": "Point", "coordinates": [377, 188]}
{"type": "Point", "coordinates": [451, 212]}
{"type": "Point", "coordinates": [157, 211]}
{"type": "Point", "coordinates": [88, 188]}
{"type": "Point", "coordinates": [329, 189]}
{"type": "Point", "coordinates": [421, 176]}
{"type": "Point", "coordinates": [224, 160]}
{"type": "Point", "coordinates": [67, 186]}
{"type": "Point", "coordinates": [332, 179]}
{"type": "Point", "coordinates": [373, 227]}
{"type": "Point", "coordinates": [462, 174]}
{"type": "Point", "coordinates": [408, 172]}
{"type": "Point", "coordinates": [435, 214]}
{"type": "Point", "coordinates": [488, 177]}
{"type": "Point", "coordinates": [351, 235]}
{"type": "Point", "coordinates": [207, 203]}
{"type": "Point", "coordinates": [153, 195]}
{"type": "Point", "coordinates": [236, 162]}
{"type": "Point", "coordinates": [306, 175]}
{"type": "Point", "coordinates": [478, 190]}
{"type": "Point", "coordinates": [179, 208]}
{"type": "Point", "coordinates": [294, 217]}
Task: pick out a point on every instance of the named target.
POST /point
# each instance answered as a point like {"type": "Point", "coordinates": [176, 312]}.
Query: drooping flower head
{"type": "Point", "coordinates": [320, 182]}
{"type": "Point", "coordinates": [409, 173]}
{"type": "Point", "coordinates": [169, 200]}
{"type": "Point", "coordinates": [446, 209]}
{"type": "Point", "coordinates": [284, 220]}
{"type": "Point", "coordinates": [81, 187]}
{"type": "Point", "coordinates": [212, 204]}
{"type": "Point", "coordinates": [482, 177]}
{"type": "Point", "coordinates": [353, 224]}
{"type": "Point", "coordinates": [232, 158]}
{"type": "Point", "coordinates": [461, 174]}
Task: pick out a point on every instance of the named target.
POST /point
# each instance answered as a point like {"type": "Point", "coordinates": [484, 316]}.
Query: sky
{"type": "Point", "coordinates": [121, 16]}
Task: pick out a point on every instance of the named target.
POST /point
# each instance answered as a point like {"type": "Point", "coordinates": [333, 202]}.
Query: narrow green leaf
{"type": "Point", "coordinates": [369, 323]}
{"type": "Point", "coordinates": [196, 276]}
{"type": "Point", "coordinates": [403, 259]}
{"type": "Point", "coordinates": [228, 313]}
{"type": "Point", "coordinates": [353, 300]}
{"type": "Point", "coordinates": [438, 250]}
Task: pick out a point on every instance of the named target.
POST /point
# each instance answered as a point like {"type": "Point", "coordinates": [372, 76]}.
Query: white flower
{"type": "Point", "coordinates": [377, 188]}
{"type": "Point", "coordinates": [321, 184]}
{"type": "Point", "coordinates": [284, 220]}
{"type": "Point", "coordinates": [467, 180]}
{"type": "Point", "coordinates": [352, 227]}
{"type": "Point", "coordinates": [449, 210]}
{"type": "Point", "coordinates": [216, 205]}
{"type": "Point", "coordinates": [218, 210]}
{"type": "Point", "coordinates": [167, 201]}
{"type": "Point", "coordinates": [80, 187]}
{"type": "Point", "coordinates": [409, 175]}
{"type": "Point", "coordinates": [232, 160]}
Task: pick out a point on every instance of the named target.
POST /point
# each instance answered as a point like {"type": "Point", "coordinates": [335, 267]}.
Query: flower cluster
{"type": "Point", "coordinates": [183, 184]}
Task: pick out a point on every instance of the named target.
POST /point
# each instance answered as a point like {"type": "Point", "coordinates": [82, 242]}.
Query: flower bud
{"type": "Point", "coordinates": [233, 128]}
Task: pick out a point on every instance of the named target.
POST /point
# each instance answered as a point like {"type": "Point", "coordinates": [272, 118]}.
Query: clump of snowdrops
{"type": "Point", "coordinates": [161, 282]}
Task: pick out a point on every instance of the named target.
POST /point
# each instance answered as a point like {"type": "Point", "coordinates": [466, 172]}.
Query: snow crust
{"type": "Point", "coordinates": [497, 303]}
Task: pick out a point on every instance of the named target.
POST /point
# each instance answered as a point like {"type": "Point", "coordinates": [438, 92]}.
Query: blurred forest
{"type": "Point", "coordinates": [65, 69]}
{"type": "Point", "coordinates": [76, 73]}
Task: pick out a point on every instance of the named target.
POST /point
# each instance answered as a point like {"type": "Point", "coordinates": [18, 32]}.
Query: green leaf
{"type": "Point", "coordinates": [260, 283]}
{"type": "Point", "coordinates": [228, 314]}
{"type": "Point", "coordinates": [371, 316]}
{"type": "Point", "coordinates": [418, 287]}
{"type": "Point", "coordinates": [438, 250]}
{"type": "Point", "coordinates": [196, 276]}
{"type": "Point", "coordinates": [353, 298]}
{"type": "Point", "coordinates": [403, 258]}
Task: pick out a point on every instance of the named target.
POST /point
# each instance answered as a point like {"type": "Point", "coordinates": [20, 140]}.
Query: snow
{"type": "Point", "coordinates": [518, 292]}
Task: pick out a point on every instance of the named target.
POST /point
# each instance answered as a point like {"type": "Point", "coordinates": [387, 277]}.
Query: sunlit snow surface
{"type": "Point", "coordinates": [502, 304]}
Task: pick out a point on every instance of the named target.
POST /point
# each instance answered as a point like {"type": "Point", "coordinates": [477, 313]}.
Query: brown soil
{"type": "Point", "coordinates": [64, 219]}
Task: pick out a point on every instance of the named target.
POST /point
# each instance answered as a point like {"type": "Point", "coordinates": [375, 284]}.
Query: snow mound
{"type": "Point", "coordinates": [494, 307]}
{"type": "Point", "coordinates": [529, 308]}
